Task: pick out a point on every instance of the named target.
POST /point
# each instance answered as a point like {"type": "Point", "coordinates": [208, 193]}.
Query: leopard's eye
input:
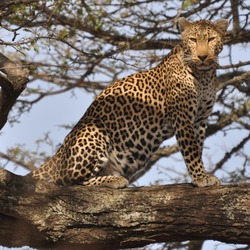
{"type": "Point", "coordinates": [193, 39]}
{"type": "Point", "coordinates": [211, 39]}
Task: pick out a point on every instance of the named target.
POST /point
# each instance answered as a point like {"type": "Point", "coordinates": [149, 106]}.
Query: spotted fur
{"type": "Point", "coordinates": [128, 121]}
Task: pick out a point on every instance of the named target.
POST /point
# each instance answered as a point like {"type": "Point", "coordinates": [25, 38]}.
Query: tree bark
{"type": "Point", "coordinates": [13, 80]}
{"type": "Point", "coordinates": [76, 217]}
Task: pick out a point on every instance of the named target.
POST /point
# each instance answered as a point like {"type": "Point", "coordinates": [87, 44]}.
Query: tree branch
{"type": "Point", "coordinates": [235, 13]}
{"type": "Point", "coordinates": [12, 81]}
{"type": "Point", "coordinates": [17, 162]}
{"type": "Point", "coordinates": [235, 81]}
{"type": "Point", "coordinates": [234, 150]}
{"type": "Point", "coordinates": [226, 119]}
{"type": "Point", "coordinates": [79, 217]}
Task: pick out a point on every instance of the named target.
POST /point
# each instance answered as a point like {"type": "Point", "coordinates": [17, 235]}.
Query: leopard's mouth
{"type": "Point", "coordinates": [205, 64]}
{"type": "Point", "coordinates": [198, 63]}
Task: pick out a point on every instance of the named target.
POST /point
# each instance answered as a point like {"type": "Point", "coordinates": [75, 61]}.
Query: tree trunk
{"type": "Point", "coordinates": [13, 80]}
{"type": "Point", "coordinates": [93, 218]}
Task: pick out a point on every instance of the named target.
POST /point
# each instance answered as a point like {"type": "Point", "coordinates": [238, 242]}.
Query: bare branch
{"type": "Point", "coordinates": [19, 163]}
{"type": "Point", "coordinates": [234, 150]}
{"type": "Point", "coordinates": [235, 13]}
{"type": "Point", "coordinates": [235, 81]}
{"type": "Point", "coordinates": [226, 119]}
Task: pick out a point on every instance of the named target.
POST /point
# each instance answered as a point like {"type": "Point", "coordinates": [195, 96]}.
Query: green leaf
{"type": "Point", "coordinates": [186, 4]}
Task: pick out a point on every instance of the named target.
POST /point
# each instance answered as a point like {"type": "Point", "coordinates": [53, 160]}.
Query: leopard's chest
{"type": "Point", "coordinates": [205, 95]}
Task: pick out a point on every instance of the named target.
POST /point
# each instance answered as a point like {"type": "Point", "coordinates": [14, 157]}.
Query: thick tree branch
{"type": "Point", "coordinates": [8, 3]}
{"type": "Point", "coordinates": [235, 13]}
{"type": "Point", "coordinates": [13, 80]}
{"type": "Point", "coordinates": [79, 217]}
{"type": "Point", "coordinates": [236, 80]}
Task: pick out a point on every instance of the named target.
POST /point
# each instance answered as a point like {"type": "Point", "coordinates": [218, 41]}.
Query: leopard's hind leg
{"type": "Point", "coordinates": [107, 181]}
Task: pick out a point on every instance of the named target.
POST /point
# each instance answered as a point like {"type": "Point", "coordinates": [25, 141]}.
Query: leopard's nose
{"type": "Point", "coordinates": [202, 57]}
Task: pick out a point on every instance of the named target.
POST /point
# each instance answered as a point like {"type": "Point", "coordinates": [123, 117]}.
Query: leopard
{"type": "Point", "coordinates": [129, 120]}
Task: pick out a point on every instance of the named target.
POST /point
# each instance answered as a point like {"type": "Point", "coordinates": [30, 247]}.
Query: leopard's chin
{"type": "Point", "coordinates": [204, 65]}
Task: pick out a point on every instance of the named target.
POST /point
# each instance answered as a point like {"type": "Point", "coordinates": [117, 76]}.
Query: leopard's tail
{"type": "Point", "coordinates": [49, 170]}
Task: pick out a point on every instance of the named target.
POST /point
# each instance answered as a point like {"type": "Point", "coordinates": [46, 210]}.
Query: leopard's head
{"type": "Point", "coordinates": [202, 41]}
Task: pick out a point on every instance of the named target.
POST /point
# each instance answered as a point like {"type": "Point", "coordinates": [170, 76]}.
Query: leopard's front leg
{"type": "Point", "coordinates": [200, 132]}
{"type": "Point", "coordinates": [191, 149]}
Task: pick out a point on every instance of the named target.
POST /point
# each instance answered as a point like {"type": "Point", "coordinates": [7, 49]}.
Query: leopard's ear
{"type": "Point", "coordinates": [183, 23]}
{"type": "Point", "coordinates": [222, 26]}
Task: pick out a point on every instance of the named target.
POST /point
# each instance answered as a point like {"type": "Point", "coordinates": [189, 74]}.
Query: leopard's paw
{"type": "Point", "coordinates": [206, 181]}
